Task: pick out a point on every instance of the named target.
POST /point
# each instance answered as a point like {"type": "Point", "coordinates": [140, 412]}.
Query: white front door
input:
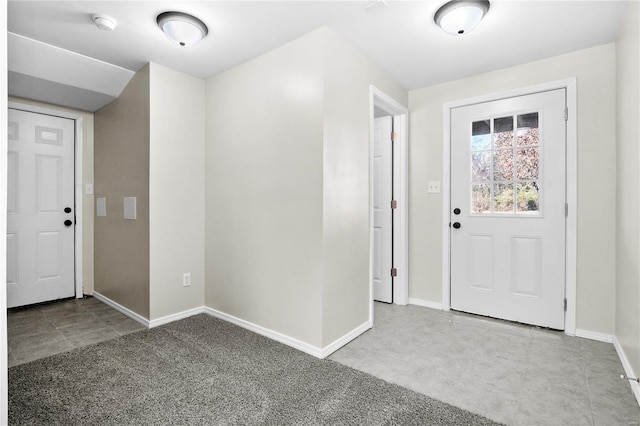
{"type": "Point", "coordinates": [382, 215]}
{"type": "Point", "coordinates": [508, 208]}
{"type": "Point", "coordinates": [40, 208]}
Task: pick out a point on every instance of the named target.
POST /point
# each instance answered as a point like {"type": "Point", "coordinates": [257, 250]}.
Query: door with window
{"type": "Point", "coordinates": [40, 208]}
{"type": "Point", "coordinates": [508, 208]}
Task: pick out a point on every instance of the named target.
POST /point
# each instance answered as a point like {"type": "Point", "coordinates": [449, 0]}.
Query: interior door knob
{"type": "Point", "coordinates": [456, 211]}
{"type": "Point", "coordinates": [68, 223]}
{"type": "Point", "coordinates": [456, 225]}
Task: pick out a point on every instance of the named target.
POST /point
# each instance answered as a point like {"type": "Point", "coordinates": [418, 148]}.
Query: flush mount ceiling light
{"type": "Point", "coordinates": [458, 17]}
{"type": "Point", "coordinates": [104, 22]}
{"type": "Point", "coordinates": [183, 29]}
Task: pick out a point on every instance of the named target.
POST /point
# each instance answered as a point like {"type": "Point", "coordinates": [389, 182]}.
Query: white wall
{"type": "Point", "coordinates": [176, 191]}
{"type": "Point", "coordinates": [595, 72]}
{"type": "Point", "coordinates": [348, 77]}
{"type": "Point", "coordinates": [263, 247]}
{"type": "Point", "coordinates": [287, 184]}
{"type": "Point", "coordinates": [628, 192]}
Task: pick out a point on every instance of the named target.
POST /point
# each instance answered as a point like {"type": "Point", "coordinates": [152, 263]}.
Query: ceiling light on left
{"type": "Point", "coordinates": [183, 29]}
{"type": "Point", "coordinates": [104, 22]}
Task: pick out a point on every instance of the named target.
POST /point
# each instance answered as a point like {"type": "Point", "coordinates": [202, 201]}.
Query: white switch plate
{"type": "Point", "coordinates": [88, 189]}
{"type": "Point", "coordinates": [433, 186]}
{"type": "Point", "coordinates": [130, 208]}
{"type": "Point", "coordinates": [101, 206]}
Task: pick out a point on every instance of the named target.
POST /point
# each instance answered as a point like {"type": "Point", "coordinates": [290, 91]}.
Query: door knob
{"type": "Point", "coordinates": [456, 211]}
{"type": "Point", "coordinates": [68, 223]}
{"type": "Point", "coordinates": [67, 209]}
{"type": "Point", "coordinates": [456, 225]}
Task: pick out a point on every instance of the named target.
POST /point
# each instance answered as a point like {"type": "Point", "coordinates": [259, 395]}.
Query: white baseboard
{"type": "Point", "coordinates": [337, 344]}
{"type": "Point", "coordinates": [142, 320]}
{"type": "Point", "coordinates": [274, 335]}
{"type": "Point", "coordinates": [118, 307]}
{"type": "Point", "coordinates": [425, 303]}
{"type": "Point", "coordinates": [594, 335]}
{"type": "Point", "coordinates": [628, 370]}
{"type": "Point", "coordinates": [175, 317]}
{"type": "Point", "coordinates": [287, 340]}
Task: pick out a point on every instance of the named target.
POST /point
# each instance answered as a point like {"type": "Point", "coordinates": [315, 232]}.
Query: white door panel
{"type": "Point", "coordinates": [382, 218]}
{"type": "Point", "coordinates": [508, 180]}
{"type": "Point", "coordinates": [40, 184]}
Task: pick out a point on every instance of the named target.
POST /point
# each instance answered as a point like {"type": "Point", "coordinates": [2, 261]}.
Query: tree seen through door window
{"type": "Point", "coordinates": [505, 165]}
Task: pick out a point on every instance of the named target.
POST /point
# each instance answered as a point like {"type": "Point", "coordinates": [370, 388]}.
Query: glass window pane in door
{"type": "Point", "coordinates": [528, 198]}
{"type": "Point", "coordinates": [503, 165]}
{"type": "Point", "coordinates": [503, 132]}
{"type": "Point", "coordinates": [480, 166]}
{"type": "Point", "coordinates": [528, 131]}
{"type": "Point", "coordinates": [480, 199]}
{"type": "Point", "coordinates": [503, 198]}
{"type": "Point", "coordinates": [527, 163]}
{"type": "Point", "coordinates": [480, 135]}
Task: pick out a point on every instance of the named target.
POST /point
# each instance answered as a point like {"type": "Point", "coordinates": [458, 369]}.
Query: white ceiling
{"type": "Point", "coordinates": [400, 37]}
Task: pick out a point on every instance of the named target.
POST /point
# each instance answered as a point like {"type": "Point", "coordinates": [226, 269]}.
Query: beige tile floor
{"type": "Point", "coordinates": [44, 330]}
{"type": "Point", "coordinates": [511, 373]}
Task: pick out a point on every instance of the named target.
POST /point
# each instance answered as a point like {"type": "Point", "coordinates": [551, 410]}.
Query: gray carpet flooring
{"type": "Point", "coordinates": [204, 371]}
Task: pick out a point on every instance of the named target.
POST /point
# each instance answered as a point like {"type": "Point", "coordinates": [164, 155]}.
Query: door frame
{"type": "Point", "coordinates": [400, 113]}
{"type": "Point", "coordinates": [571, 188]}
{"type": "Point", "coordinates": [78, 182]}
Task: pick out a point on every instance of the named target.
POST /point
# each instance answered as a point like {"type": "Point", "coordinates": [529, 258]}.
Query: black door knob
{"type": "Point", "coordinates": [68, 223]}
{"type": "Point", "coordinates": [456, 225]}
{"type": "Point", "coordinates": [456, 211]}
{"type": "Point", "coordinates": [67, 209]}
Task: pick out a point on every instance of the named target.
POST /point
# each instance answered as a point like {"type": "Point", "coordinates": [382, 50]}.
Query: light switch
{"type": "Point", "coordinates": [88, 189]}
{"type": "Point", "coordinates": [130, 208]}
{"type": "Point", "coordinates": [101, 206]}
{"type": "Point", "coordinates": [433, 186]}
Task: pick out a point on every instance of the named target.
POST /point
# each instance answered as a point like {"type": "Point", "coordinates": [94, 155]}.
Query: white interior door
{"type": "Point", "coordinates": [508, 182]}
{"type": "Point", "coordinates": [382, 214]}
{"type": "Point", "coordinates": [40, 208]}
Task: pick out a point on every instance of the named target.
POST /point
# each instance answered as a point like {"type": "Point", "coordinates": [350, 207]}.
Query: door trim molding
{"type": "Point", "coordinates": [78, 180]}
{"type": "Point", "coordinates": [379, 99]}
{"type": "Point", "coordinates": [571, 190]}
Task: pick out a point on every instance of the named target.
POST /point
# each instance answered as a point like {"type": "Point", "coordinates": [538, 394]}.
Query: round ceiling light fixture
{"type": "Point", "coordinates": [104, 22]}
{"type": "Point", "coordinates": [458, 17]}
{"type": "Point", "coordinates": [181, 28]}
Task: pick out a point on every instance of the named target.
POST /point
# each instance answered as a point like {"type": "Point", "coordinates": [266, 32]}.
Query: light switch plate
{"type": "Point", "coordinates": [101, 206]}
{"type": "Point", "coordinates": [130, 208]}
{"type": "Point", "coordinates": [88, 189]}
{"type": "Point", "coordinates": [433, 187]}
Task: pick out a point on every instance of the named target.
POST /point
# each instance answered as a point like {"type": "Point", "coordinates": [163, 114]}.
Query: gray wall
{"type": "Point", "coordinates": [121, 169]}
{"type": "Point", "coordinates": [150, 144]}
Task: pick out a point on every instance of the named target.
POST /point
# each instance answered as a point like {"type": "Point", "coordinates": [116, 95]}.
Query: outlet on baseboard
{"type": "Point", "coordinates": [186, 279]}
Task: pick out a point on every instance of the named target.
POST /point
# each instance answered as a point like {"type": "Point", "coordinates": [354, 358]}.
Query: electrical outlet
{"type": "Point", "coordinates": [186, 279]}
{"type": "Point", "coordinates": [433, 186]}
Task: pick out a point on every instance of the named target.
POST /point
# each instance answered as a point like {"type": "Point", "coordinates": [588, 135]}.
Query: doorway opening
{"type": "Point", "coordinates": [393, 252]}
